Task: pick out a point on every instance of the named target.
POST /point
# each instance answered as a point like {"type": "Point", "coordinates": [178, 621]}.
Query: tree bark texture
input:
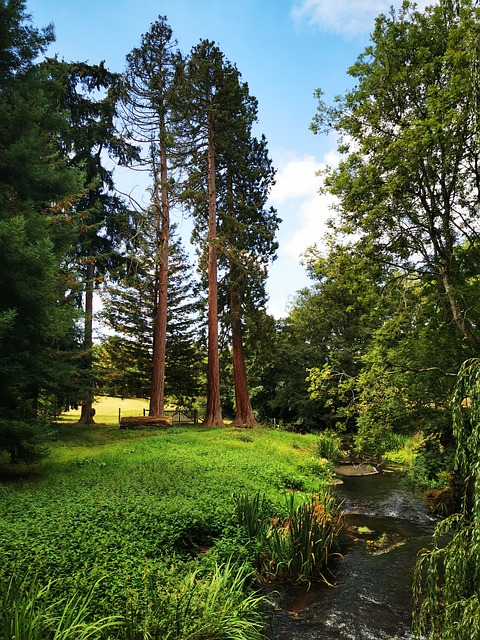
{"type": "Point", "coordinates": [243, 409]}
{"type": "Point", "coordinates": [146, 422]}
{"type": "Point", "coordinates": [157, 394]}
{"type": "Point", "coordinates": [87, 410]}
{"type": "Point", "coordinates": [213, 416]}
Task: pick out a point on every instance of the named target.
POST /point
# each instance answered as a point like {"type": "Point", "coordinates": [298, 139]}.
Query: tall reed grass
{"type": "Point", "coordinates": [328, 446]}
{"type": "Point", "coordinates": [214, 605]}
{"type": "Point", "coordinates": [297, 547]}
{"type": "Point", "coordinates": [300, 545]}
{"type": "Point", "coordinates": [28, 611]}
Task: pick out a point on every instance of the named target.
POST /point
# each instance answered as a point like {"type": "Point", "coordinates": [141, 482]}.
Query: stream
{"type": "Point", "coordinates": [371, 599]}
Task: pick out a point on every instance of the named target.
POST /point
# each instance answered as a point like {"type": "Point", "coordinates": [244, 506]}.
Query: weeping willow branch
{"type": "Point", "coordinates": [447, 576]}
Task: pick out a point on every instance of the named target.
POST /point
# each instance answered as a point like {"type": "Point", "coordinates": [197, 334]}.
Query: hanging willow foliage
{"type": "Point", "coordinates": [447, 577]}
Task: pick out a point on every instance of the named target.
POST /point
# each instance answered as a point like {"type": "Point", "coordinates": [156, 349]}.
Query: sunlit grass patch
{"type": "Point", "coordinates": [118, 505]}
{"type": "Point", "coordinates": [401, 449]}
{"type": "Point", "coordinates": [107, 409]}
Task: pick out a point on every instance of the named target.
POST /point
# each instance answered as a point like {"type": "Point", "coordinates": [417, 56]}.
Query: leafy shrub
{"type": "Point", "coordinates": [430, 464]}
{"type": "Point", "coordinates": [318, 467]}
{"type": "Point", "coordinates": [292, 481]}
{"type": "Point", "coordinates": [328, 446]}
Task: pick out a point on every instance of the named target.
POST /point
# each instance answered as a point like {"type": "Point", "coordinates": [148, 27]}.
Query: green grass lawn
{"type": "Point", "coordinates": [107, 409]}
{"type": "Point", "coordinates": [126, 506]}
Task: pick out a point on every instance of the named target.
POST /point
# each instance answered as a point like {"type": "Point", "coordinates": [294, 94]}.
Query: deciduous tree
{"type": "Point", "coordinates": [409, 181]}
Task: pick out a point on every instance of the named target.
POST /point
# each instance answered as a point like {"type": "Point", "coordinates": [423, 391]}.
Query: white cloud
{"type": "Point", "coordinates": [313, 214]}
{"type": "Point", "coordinates": [345, 16]}
{"type": "Point", "coordinates": [297, 178]}
{"type": "Point", "coordinates": [303, 209]}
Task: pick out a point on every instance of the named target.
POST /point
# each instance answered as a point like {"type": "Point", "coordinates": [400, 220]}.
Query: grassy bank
{"type": "Point", "coordinates": [150, 519]}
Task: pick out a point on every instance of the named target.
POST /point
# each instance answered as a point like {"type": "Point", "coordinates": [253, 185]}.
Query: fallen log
{"type": "Point", "coordinates": [145, 422]}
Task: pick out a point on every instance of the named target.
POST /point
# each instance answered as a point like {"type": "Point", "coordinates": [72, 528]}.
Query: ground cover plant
{"type": "Point", "coordinates": [150, 519]}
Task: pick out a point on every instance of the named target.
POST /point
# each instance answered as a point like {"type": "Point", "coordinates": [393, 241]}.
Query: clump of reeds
{"type": "Point", "coordinates": [31, 611]}
{"type": "Point", "coordinates": [295, 547]}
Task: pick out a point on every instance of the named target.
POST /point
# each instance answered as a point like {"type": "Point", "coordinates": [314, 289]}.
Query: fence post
{"type": "Point", "coordinates": [119, 414]}
{"type": "Point", "coordinates": [195, 416]}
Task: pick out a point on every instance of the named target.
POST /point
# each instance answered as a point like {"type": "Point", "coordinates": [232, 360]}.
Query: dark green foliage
{"type": "Point", "coordinates": [25, 440]}
{"type": "Point", "coordinates": [21, 41]}
{"type": "Point", "coordinates": [432, 464]}
{"type": "Point", "coordinates": [87, 95]}
{"type": "Point", "coordinates": [37, 337]}
{"type": "Point", "coordinates": [125, 360]}
{"type": "Point", "coordinates": [282, 389]}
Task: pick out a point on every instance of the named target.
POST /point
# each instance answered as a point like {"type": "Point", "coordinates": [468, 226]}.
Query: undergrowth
{"type": "Point", "coordinates": [294, 546]}
{"type": "Point", "coordinates": [151, 517]}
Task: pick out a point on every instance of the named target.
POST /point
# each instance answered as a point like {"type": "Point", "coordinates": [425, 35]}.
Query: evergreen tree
{"type": "Point", "coordinates": [130, 311]}
{"type": "Point", "coordinates": [229, 175]}
{"type": "Point", "coordinates": [147, 112]}
{"type": "Point", "coordinates": [247, 232]}
{"type": "Point", "coordinates": [101, 215]}
{"type": "Point", "coordinates": [204, 107]}
{"type": "Point", "coordinates": [37, 331]}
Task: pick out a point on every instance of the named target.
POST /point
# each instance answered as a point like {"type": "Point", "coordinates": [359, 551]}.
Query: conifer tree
{"type": "Point", "coordinates": [37, 185]}
{"type": "Point", "coordinates": [205, 110]}
{"type": "Point", "coordinates": [229, 177]}
{"type": "Point", "coordinates": [101, 215]}
{"type": "Point", "coordinates": [248, 246]}
{"type": "Point", "coordinates": [130, 311]}
{"type": "Point", "coordinates": [147, 96]}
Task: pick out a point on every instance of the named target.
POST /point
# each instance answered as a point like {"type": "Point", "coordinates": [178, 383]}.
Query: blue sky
{"type": "Point", "coordinates": [284, 49]}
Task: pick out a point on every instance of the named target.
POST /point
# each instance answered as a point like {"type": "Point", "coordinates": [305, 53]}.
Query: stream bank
{"type": "Point", "coordinates": [386, 526]}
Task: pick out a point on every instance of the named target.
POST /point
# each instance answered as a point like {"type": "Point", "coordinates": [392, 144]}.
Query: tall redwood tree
{"type": "Point", "coordinates": [148, 89]}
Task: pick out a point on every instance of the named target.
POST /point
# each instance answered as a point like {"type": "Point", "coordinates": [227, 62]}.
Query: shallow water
{"type": "Point", "coordinates": [371, 599]}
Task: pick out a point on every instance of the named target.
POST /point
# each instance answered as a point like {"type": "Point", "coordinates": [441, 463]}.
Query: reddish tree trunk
{"type": "Point", "coordinates": [244, 414]}
{"type": "Point", "coordinates": [87, 411]}
{"type": "Point", "coordinates": [213, 416]}
{"type": "Point", "coordinates": [157, 394]}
